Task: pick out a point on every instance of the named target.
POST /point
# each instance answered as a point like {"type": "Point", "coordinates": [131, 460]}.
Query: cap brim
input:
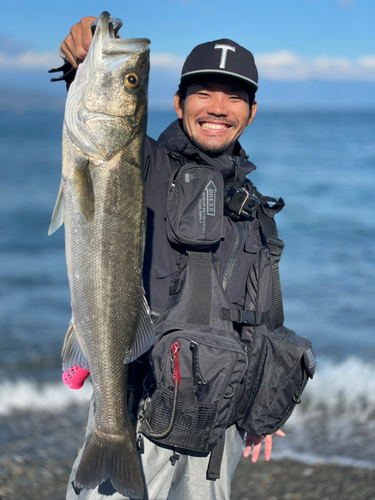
{"type": "Point", "coordinates": [247, 81]}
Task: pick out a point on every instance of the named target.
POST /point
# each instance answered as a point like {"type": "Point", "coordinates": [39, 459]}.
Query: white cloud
{"type": "Point", "coordinates": [29, 60]}
{"type": "Point", "coordinates": [33, 59]}
{"type": "Point", "coordinates": [282, 65]}
{"type": "Point", "coordinates": [166, 61]}
{"type": "Point", "coordinates": [288, 66]}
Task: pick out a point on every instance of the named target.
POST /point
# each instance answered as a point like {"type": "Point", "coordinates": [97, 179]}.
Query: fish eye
{"type": "Point", "coordinates": [132, 81]}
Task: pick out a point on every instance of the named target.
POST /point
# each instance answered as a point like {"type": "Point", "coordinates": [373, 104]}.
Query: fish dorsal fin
{"type": "Point", "coordinates": [72, 353]}
{"type": "Point", "coordinates": [57, 219]}
{"type": "Point", "coordinates": [145, 335]}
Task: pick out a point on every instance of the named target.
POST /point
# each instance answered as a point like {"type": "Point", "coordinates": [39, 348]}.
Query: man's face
{"type": "Point", "coordinates": [214, 114]}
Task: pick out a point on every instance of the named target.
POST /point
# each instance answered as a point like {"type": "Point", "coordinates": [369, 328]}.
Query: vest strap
{"type": "Point", "coordinates": [214, 465]}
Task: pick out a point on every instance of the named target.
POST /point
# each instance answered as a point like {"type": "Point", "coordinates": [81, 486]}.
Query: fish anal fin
{"type": "Point", "coordinates": [72, 353]}
{"type": "Point", "coordinates": [84, 189]}
{"type": "Point", "coordinates": [145, 335]}
{"type": "Point", "coordinates": [57, 219]}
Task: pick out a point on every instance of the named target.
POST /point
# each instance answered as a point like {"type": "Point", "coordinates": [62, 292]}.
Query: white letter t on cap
{"type": "Point", "coordinates": [224, 53]}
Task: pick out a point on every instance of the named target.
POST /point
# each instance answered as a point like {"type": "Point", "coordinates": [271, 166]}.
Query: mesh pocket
{"type": "Point", "coordinates": [193, 425]}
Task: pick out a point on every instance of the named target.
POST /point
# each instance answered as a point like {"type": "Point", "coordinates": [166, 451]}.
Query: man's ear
{"type": "Point", "coordinates": [253, 111]}
{"type": "Point", "coordinates": [178, 105]}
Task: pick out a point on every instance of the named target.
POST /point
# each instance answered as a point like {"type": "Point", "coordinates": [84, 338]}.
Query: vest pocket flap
{"type": "Point", "coordinates": [280, 364]}
{"type": "Point", "coordinates": [308, 356]}
{"type": "Point", "coordinates": [253, 242]}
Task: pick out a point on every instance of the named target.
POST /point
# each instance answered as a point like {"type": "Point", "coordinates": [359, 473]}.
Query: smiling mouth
{"type": "Point", "coordinates": [214, 126]}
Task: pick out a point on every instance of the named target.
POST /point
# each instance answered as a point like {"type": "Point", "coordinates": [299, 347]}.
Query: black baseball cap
{"type": "Point", "coordinates": [223, 57]}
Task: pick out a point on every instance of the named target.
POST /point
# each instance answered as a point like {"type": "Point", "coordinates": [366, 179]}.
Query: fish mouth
{"type": "Point", "coordinates": [101, 116]}
{"type": "Point", "coordinates": [113, 25]}
{"type": "Point", "coordinates": [112, 44]}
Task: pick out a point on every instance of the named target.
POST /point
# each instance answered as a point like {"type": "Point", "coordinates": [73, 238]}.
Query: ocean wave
{"type": "Point", "coordinates": [336, 420]}
{"type": "Point", "coordinates": [345, 389]}
{"type": "Point", "coordinates": [338, 389]}
{"type": "Point", "coordinates": [25, 395]}
{"type": "Point", "coordinates": [335, 423]}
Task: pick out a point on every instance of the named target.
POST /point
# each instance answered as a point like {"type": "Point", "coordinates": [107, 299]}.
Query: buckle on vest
{"type": "Point", "coordinates": [253, 318]}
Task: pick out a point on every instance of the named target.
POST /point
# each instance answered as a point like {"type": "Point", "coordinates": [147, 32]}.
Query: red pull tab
{"type": "Point", "coordinates": [176, 363]}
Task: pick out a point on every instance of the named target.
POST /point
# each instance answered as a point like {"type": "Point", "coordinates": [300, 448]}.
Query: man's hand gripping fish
{"type": "Point", "coordinates": [101, 204]}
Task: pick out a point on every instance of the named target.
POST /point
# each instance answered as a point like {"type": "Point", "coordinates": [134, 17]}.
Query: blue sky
{"type": "Point", "coordinates": [307, 51]}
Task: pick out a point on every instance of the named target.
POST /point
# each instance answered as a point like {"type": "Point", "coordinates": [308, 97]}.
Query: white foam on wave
{"type": "Point", "coordinates": [335, 423]}
{"type": "Point", "coordinates": [25, 395]}
{"type": "Point", "coordinates": [346, 388]}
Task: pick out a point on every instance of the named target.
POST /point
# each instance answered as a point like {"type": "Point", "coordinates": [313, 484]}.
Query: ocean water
{"type": "Point", "coordinates": [322, 164]}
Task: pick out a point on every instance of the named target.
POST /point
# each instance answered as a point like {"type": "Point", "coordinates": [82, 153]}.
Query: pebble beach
{"type": "Point", "coordinates": [37, 451]}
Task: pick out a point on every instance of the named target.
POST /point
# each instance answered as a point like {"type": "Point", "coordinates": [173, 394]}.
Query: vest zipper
{"type": "Point", "coordinates": [237, 247]}
{"type": "Point", "coordinates": [233, 257]}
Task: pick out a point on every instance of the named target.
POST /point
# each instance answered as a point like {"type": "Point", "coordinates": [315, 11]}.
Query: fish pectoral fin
{"type": "Point", "coordinates": [145, 335]}
{"type": "Point", "coordinates": [84, 189]}
{"type": "Point", "coordinates": [57, 219]}
{"type": "Point", "coordinates": [72, 353]}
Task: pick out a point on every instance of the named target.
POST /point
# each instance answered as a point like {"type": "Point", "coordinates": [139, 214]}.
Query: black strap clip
{"type": "Point", "coordinates": [253, 318]}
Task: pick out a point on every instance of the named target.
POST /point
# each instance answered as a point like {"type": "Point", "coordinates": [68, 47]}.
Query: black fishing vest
{"type": "Point", "coordinates": [206, 376]}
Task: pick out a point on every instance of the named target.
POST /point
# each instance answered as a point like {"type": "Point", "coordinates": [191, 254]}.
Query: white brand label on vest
{"type": "Point", "coordinates": [224, 53]}
{"type": "Point", "coordinates": [211, 198]}
{"type": "Point", "coordinates": [190, 177]}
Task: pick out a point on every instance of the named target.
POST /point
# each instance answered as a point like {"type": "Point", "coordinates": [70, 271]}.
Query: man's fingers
{"type": "Point", "coordinates": [86, 34]}
{"type": "Point", "coordinates": [248, 446]}
{"type": "Point", "coordinates": [77, 43]}
{"type": "Point", "coordinates": [68, 48]}
{"type": "Point", "coordinates": [256, 448]}
{"type": "Point", "coordinates": [256, 441]}
{"type": "Point", "coordinates": [267, 446]}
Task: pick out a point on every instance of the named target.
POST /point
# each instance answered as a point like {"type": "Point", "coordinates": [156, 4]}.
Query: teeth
{"type": "Point", "coordinates": [214, 126]}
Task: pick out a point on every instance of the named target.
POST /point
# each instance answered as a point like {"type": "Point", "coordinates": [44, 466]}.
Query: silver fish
{"type": "Point", "coordinates": [101, 203]}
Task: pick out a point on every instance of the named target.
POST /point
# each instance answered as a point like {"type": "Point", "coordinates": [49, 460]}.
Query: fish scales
{"type": "Point", "coordinates": [103, 314]}
{"type": "Point", "coordinates": [102, 200]}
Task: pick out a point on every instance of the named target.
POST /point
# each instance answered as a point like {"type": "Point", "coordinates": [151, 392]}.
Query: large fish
{"type": "Point", "coordinates": [101, 203]}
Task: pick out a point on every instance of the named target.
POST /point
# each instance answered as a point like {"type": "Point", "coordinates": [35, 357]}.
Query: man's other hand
{"type": "Point", "coordinates": [77, 43]}
{"type": "Point", "coordinates": [255, 443]}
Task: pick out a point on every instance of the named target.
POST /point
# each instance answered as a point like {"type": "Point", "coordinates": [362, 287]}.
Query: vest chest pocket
{"type": "Point", "coordinates": [241, 246]}
{"type": "Point", "coordinates": [195, 206]}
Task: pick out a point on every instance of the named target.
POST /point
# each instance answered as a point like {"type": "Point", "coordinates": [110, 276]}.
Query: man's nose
{"type": "Point", "coordinates": [218, 106]}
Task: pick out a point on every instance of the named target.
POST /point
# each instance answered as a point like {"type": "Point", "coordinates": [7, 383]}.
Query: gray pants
{"type": "Point", "coordinates": [185, 480]}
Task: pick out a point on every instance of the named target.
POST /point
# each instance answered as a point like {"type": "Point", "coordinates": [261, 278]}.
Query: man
{"type": "Point", "coordinates": [214, 105]}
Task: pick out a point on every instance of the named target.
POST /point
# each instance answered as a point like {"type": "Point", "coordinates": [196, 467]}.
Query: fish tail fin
{"type": "Point", "coordinates": [115, 457]}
